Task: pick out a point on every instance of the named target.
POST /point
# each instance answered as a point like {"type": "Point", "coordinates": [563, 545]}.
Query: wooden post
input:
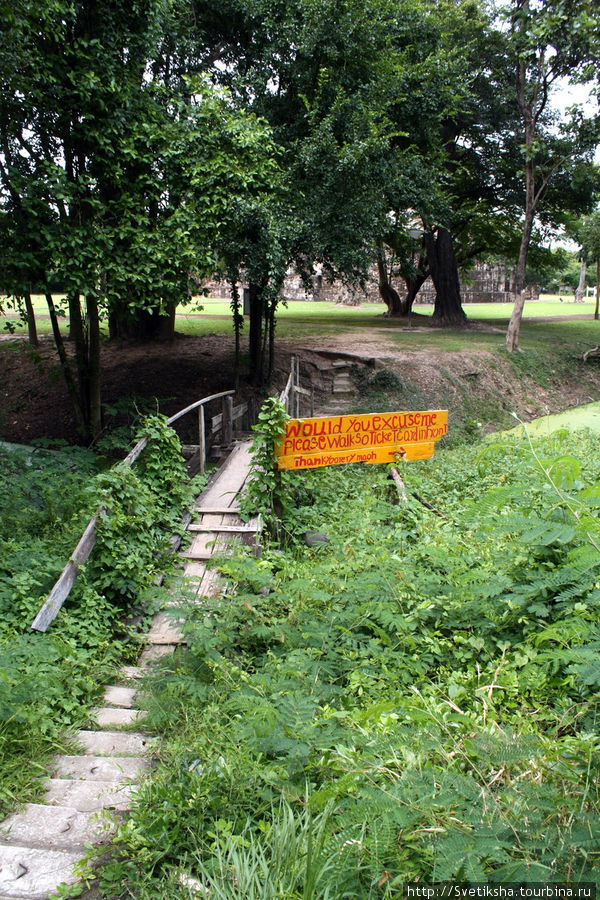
{"type": "Point", "coordinates": [297, 379]}
{"type": "Point", "coordinates": [201, 440]}
{"type": "Point", "coordinates": [227, 425]}
{"type": "Point", "coordinates": [251, 412]}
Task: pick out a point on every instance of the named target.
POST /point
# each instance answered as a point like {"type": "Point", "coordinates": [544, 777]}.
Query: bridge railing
{"type": "Point", "coordinates": [222, 424]}
{"type": "Point", "coordinates": [292, 392]}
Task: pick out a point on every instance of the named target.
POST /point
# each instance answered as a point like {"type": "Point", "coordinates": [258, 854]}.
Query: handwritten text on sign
{"type": "Point", "coordinates": [371, 438]}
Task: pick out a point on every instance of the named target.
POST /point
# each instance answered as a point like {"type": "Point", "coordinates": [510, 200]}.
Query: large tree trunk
{"type": "Point", "coordinates": [142, 324]}
{"type": "Point", "coordinates": [448, 309]}
{"type": "Point", "coordinates": [65, 366]}
{"type": "Point", "coordinates": [596, 310]}
{"type": "Point", "coordinates": [84, 388]}
{"type": "Point", "coordinates": [579, 290]}
{"type": "Point", "coordinates": [388, 294]}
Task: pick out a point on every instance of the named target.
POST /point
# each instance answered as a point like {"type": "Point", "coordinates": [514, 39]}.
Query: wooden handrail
{"type": "Point", "coordinates": [66, 580]}
{"type": "Point", "coordinates": [198, 403]}
{"type": "Point", "coordinates": [61, 590]}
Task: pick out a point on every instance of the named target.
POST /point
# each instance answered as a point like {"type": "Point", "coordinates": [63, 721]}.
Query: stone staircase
{"type": "Point", "coordinates": [86, 792]}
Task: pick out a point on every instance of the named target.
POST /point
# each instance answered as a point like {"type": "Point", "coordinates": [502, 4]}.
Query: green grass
{"type": "Point", "coordinates": [415, 700]}
{"type": "Point", "coordinates": [300, 319]}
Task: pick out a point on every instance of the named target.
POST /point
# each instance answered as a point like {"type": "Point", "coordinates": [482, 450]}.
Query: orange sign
{"type": "Point", "coordinates": [371, 438]}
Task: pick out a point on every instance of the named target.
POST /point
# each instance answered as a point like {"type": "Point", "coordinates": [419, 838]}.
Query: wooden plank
{"type": "Point", "coordinates": [62, 588]}
{"type": "Point", "coordinates": [233, 529]}
{"type": "Point", "coordinates": [213, 510]}
{"type": "Point", "coordinates": [238, 412]}
{"type": "Point", "coordinates": [215, 547]}
{"type": "Point", "coordinates": [227, 426]}
{"type": "Point", "coordinates": [224, 490]}
{"type": "Point", "coordinates": [201, 440]}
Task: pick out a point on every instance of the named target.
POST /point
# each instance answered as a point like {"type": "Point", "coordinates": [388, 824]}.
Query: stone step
{"type": "Point", "coordinates": [114, 743]}
{"type": "Point", "coordinates": [88, 796]}
{"type": "Point", "coordinates": [99, 768]}
{"type": "Point", "coordinates": [54, 827]}
{"type": "Point", "coordinates": [120, 696]}
{"type": "Point", "coordinates": [130, 673]}
{"type": "Point", "coordinates": [339, 391]}
{"type": "Point", "coordinates": [33, 874]}
{"type": "Point", "coordinates": [114, 716]}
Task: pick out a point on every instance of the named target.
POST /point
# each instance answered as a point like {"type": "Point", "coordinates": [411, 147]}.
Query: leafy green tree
{"type": "Point", "coordinates": [114, 185]}
{"type": "Point", "coordinates": [311, 70]}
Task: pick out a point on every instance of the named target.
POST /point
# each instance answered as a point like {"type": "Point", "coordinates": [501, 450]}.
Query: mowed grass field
{"type": "Point", "coordinates": [299, 319]}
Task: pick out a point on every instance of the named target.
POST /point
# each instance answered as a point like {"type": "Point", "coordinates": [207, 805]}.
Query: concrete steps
{"type": "Point", "coordinates": [342, 383]}
{"type": "Point", "coordinates": [88, 792]}
{"type": "Point", "coordinates": [85, 794]}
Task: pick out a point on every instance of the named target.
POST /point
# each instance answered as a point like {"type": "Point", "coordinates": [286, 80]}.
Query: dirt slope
{"type": "Point", "coordinates": [480, 387]}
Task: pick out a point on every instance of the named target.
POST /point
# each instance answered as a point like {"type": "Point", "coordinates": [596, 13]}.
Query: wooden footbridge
{"type": "Point", "coordinates": [87, 791]}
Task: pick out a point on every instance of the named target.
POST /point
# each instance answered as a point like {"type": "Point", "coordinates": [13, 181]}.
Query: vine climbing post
{"type": "Point", "coordinates": [265, 493]}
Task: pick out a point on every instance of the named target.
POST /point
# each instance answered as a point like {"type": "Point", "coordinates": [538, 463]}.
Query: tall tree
{"type": "Point", "coordinates": [548, 42]}
{"type": "Point", "coordinates": [310, 69]}
{"type": "Point", "coordinates": [116, 186]}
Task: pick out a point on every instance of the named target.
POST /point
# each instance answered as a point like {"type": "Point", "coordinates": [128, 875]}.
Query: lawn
{"type": "Point", "coordinates": [299, 319]}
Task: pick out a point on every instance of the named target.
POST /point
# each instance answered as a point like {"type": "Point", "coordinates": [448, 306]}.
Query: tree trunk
{"type": "Point", "coordinates": [65, 366]}
{"type": "Point", "coordinates": [413, 286]}
{"type": "Point", "coordinates": [529, 123]}
{"type": "Point", "coordinates": [579, 290]}
{"type": "Point", "coordinates": [388, 294]}
{"type": "Point", "coordinates": [448, 309]}
{"type": "Point", "coordinates": [238, 321]}
{"type": "Point", "coordinates": [255, 332]}
{"type": "Point", "coordinates": [514, 326]}
{"type": "Point", "coordinates": [271, 325]}
{"type": "Point", "coordinates": [31, 326]}
{"type": "Point", "coordinates": [596, 310]}
{"type": "Point", "coordinates": [165, 326]}
{"type": "Point", "coordinates": [142, 324]}
{"type": "Point", "coordinates": [94, 404]}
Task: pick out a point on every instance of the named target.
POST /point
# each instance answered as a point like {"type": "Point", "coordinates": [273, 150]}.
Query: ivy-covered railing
{"type": "Point", "coordinates": [221, 425]}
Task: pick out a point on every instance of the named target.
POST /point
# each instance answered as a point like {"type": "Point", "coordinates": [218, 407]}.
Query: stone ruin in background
{"type": "Point", "coordinates": [484, 283]}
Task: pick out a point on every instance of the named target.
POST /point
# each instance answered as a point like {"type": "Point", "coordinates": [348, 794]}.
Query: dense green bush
{"type": "Point", "coordinates": [417, 699]}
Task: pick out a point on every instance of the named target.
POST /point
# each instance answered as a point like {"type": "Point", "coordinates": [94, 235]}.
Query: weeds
{"type": "Point", "coordinates": [417, 700]}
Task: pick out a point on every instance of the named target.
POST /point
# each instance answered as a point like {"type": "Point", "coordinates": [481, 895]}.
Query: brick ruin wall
{"type": "Point", "coordinates": [485, 283]}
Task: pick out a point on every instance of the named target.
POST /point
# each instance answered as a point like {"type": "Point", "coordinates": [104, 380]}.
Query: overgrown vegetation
{"type": "Point", "coordinates": [416, 699]}
{"type": "Point", "coordinates": [47, 681]}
